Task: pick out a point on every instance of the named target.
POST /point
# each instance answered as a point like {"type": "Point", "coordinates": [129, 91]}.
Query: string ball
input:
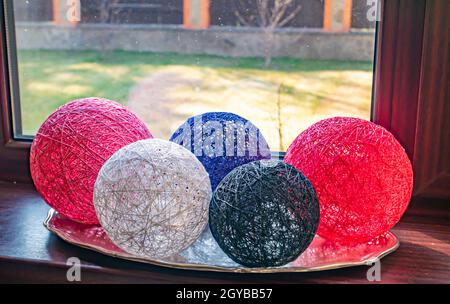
{"type": "Point", "coordinates": [264, 214]}
{"type": "Point", "coordinates": [71, 146]}
{"type": "Point", "coordinates": [222, 141]}
{"type": "Point", "coordinates": [361, 173]}
{"type": "Point", "coordinates": [152, 198]}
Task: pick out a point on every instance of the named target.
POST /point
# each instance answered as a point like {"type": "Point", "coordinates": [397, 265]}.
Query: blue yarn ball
{"type": "Point", "coordinates": [222, 141]}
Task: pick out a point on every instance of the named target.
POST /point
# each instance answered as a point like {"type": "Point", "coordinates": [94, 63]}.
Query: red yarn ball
{"type": "Point", "coordinates": [361, 173]}
{"type": "Point", "coordinates": [70, 148]}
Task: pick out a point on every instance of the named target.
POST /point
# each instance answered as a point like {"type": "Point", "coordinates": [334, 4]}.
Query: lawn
{"type": "Point", "coordinates": [164, 89]}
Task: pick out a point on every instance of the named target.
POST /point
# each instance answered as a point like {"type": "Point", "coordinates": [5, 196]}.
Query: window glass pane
{"type": "Point", "coordinates": [168, 60]}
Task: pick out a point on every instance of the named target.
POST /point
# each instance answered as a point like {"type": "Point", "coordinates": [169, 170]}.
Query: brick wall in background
{"type": "Point", "coordinates": [134, 11]}
{"type": "Point", "coordinates": [223, 12]}
{"type": "Point", "coordinates": [33, 10]}
{"type": "Point", "coordinates": [359, 15]}
{"type": "Point", "coordinates": [223, 41]}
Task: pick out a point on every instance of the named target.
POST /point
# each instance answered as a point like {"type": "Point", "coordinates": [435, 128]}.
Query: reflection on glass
{"type": "Point", "coordinates": [301, 63]}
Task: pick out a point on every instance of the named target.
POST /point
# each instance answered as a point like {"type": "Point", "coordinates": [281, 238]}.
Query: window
{"type": "Point", "coordinates": [151, 56]}
{"type": "Point", "coordinates": [410, 44]}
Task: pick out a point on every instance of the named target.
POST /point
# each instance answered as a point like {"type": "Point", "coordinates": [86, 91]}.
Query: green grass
{"type": "Point", "coordinates": [49, 79]}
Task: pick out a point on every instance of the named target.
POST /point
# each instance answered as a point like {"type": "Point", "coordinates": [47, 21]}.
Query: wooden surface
{"type": "Point", "coordinates": [432, 159]}
{"type": "Point", "coordinates": [29, 253]}
{"type": "Point", "coordinates": [398, 68]}
{"type": "Point", "coordinates": [411, 94]}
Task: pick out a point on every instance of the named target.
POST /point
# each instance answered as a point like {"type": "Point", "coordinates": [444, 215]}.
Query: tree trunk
{"type": "Point", "coordinates": [268, 45]}
{"type": "Point", "coordinates": [279, 118]}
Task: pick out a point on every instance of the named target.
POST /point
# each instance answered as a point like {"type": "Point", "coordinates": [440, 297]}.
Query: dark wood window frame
{"type": "Point", "coordinates": [411, 97]}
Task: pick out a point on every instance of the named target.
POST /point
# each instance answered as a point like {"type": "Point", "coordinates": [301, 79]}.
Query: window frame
{"type": "Point", "coordinates": [397, 86]}
{"type": "Point", "coordinates": [14, 153]}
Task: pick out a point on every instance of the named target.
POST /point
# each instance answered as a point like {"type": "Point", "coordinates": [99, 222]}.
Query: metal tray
{"type": "Point", "coordinates": [206, 255]}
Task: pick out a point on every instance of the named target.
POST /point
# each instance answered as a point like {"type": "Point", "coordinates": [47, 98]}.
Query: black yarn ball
{"type": "Point", "coordinates": [264, 214]}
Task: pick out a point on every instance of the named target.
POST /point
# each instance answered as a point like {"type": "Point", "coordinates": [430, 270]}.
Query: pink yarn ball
{"type": "Point", "coordinates": [361, 173]}
{"type": "Point", "coordinates": [70, 148]}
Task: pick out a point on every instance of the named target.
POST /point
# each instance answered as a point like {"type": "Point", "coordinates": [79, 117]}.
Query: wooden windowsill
{"type": "Point", "coordinates": [30, 253]}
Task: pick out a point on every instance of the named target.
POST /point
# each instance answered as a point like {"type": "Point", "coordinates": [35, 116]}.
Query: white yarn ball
{"type": "Point", "coordinates": [152, 198]}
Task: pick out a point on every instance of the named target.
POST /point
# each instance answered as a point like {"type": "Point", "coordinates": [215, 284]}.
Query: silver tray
{"type": "Point", "coordinates": [206, 255]}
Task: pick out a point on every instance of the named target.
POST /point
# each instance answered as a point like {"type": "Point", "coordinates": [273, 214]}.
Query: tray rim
{"type": "Point", "coordinates": [213, 268]}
